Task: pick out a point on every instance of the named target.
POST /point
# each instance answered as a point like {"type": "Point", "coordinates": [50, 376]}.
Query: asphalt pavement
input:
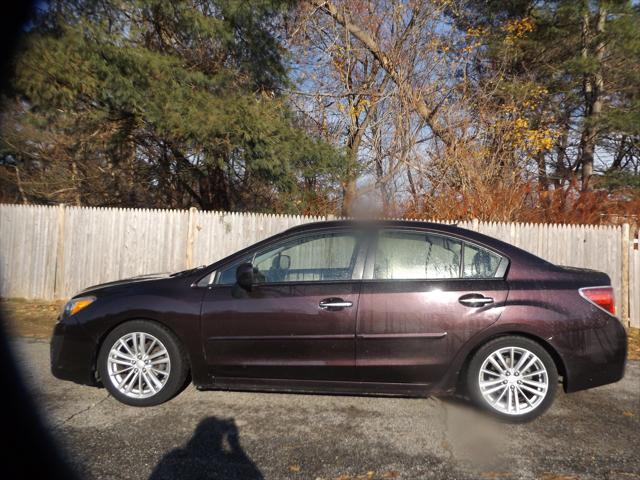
{"type": "Point", "coordinates": [593, 434]}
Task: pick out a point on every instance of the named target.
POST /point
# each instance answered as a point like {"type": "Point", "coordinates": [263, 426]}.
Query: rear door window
{"type": "Point", "coordinates": [416, 256]}
{"type": "Point", "coordinates": [407, 255]}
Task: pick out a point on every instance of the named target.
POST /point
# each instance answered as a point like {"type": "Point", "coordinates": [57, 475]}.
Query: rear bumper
{"type": "Point", "coordinates": [72, 354]}
{"type": "Point", "coordinates": [593, 357]}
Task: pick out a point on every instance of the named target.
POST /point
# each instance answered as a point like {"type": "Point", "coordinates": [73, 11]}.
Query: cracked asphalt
{"type": "Point", "coordinates": [593, 434]}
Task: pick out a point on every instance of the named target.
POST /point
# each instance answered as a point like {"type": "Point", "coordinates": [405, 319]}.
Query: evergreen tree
{"type": "Point", "coordinates": [159, 103]}
{"type": "Point", "coordinates": [583, 58]}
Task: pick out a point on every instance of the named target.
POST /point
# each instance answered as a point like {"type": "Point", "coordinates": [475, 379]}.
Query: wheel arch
{"type": "Point", "coordinates": [553, 353]}
{"type": "Point", "coordinates": [103, 336]}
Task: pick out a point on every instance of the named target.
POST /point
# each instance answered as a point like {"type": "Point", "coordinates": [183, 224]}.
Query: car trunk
{"type": "Point", "coordinates": [585, 277]}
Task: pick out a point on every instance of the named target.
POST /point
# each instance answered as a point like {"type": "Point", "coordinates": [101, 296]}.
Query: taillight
{"type": "Point", "coordinates": [601, 297]}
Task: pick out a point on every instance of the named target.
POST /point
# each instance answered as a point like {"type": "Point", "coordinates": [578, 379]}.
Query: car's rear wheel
{"type": "Point", "coordinates": [142, 363]}
{"type": "Point", "coordinates": [513, 377]}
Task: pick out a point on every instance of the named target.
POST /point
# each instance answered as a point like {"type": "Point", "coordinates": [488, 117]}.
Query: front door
{"type": "Point", "coordinates": [298, 321]}
{"type": "Point", "coordinates": [426, 295]}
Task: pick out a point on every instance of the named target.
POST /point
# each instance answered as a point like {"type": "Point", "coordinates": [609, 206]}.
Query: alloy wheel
{"type": "Point", "coordinates": [513, 380]}
{"type": "Point", "coordinates": [138, 365]}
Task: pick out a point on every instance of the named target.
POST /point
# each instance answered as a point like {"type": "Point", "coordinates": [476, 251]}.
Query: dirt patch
{"type": "Point", "coordinates": [32, 318]}
{"type": "Point", "coordinates": [634, 343]}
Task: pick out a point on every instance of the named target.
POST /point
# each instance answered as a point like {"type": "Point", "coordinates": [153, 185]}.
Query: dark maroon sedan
{"type": "Point", "coordinates": [392, 308]}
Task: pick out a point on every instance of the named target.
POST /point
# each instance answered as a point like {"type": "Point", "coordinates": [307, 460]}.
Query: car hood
{"type": "Point", "coordinates": [126, 281]}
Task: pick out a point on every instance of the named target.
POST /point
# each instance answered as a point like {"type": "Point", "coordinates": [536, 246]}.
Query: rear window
{"type": "Point", "coordinates": [480, 263]}
{"type": "Point", "coordinates": [402, 255]}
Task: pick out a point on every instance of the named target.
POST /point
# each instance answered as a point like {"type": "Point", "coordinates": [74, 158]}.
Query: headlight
{"type": "Point", "coordinates": [74, 305]}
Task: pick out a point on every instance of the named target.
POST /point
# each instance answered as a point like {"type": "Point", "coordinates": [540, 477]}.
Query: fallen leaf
{"type": "Point", "coordinates": [629, 475]}
{"type": "Point", "coordinates": [554, 476]}
{"type": "Point", "coordinates": [628, 414]}
{"type": "Point", "coordinates": [294, 468]}
{"type": "Point", "coordinates": [391, 474]}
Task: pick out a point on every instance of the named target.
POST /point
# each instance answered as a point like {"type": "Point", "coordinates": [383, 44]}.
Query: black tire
{"type": "Point", "coordinates": [178, 373]}
{"type": "Point", "coordinates": [473, 381]}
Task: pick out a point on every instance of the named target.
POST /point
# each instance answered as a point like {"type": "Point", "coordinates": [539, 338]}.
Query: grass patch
{"type": "Point", "coordinates": [30, 318]}
{"type": "Point", "coordinates": [35, 319]}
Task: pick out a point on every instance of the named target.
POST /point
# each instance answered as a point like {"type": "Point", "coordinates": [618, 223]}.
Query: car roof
{"type": "Point", "coordinates": [389, 223]}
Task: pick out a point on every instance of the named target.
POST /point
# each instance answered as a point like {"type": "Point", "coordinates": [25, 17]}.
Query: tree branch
{"type": "Point", "coordinates": [385, 61]}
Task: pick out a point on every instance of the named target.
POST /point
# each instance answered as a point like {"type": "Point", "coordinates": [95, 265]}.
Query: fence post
{"type": "Point", "coordinates": [475, 225]}
{"type": "Point", "coordinates": [191, 236]}
{"type": "Point", "coordinates": [625, 274]}
{"type": "Point", "coordinates": [58, 278]}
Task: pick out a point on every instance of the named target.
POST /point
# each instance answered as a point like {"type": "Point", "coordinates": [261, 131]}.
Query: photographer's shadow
{"type": "Point", "coordinates": [213, 452]}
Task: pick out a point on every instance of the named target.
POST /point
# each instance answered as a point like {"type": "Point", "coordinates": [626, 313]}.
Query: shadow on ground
{"type": "Point", "coordinates": [213, 452]}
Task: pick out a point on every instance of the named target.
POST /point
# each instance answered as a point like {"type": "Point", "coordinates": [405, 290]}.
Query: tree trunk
{"type": "Point", "coordinates": [593, 92]}
{"type": "Point", "coordinates": [75, 180]}
{"type": "Point", "coordinates": [217, 189]}
{"type": "Point", "coordinates": [412, 186]}
{"type": "Point", "coordinates": [354, 140]}
{"type": "Point", "coordinates": [382, 185]}
{"type": "Point", "coordinates": [23, 196]}
{"type": "Point", "coordinates": [349, 191]}
{"type": "Point", "coordinates": [348, 196]}
{"type": "Point", "coordinates": [562, 172]}
{"type": "Point", "coordinates": [621, 152]}
{"type": "Point", "coordinates": [542, 171]}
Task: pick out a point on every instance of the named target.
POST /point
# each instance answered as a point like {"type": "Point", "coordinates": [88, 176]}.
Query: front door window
{"type": "Point", "coordinates": [308, 258]}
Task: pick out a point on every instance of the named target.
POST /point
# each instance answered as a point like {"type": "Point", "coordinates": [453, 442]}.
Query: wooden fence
{"type": "Point", "coordinates": [634, 279]}
{"type": "Point", "coordinates": [53, 252]}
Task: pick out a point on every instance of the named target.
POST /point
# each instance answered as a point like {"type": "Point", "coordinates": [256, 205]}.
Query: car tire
{"type": "Point", "coordinates": [142, 363]}
{"type": "Point", "coordinates": [518, 388]}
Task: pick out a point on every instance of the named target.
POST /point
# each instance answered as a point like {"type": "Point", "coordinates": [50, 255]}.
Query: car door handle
{"type": "Point", "coordinates": [475, 300]}
{"type": "Point", "coordinates": [334, 304]}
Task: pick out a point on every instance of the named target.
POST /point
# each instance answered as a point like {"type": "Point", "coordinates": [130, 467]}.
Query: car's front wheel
{"type": "Point", "coordinates": [142, 363]}
{"type": "Point", "coordinates": [513, 377]}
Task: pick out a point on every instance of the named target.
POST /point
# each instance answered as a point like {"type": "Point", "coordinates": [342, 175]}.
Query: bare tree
{"type": "Point", "coordinates": [386, 81]}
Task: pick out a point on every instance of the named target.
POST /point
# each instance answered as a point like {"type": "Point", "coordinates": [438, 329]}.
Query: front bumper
{"type": "Point", "coordinates": [593, 357]}
{"type": "Point", "coordinates": [73, 354]}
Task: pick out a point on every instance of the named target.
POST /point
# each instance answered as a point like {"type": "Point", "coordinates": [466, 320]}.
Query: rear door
{"type": "Point", "coordinates": [298, 321]}
{"type": "Point", "coordinates": [424, 294]}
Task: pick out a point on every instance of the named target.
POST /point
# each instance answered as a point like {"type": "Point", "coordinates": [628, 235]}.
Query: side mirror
{"type": "Point", "coordinates": [244, 276]}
